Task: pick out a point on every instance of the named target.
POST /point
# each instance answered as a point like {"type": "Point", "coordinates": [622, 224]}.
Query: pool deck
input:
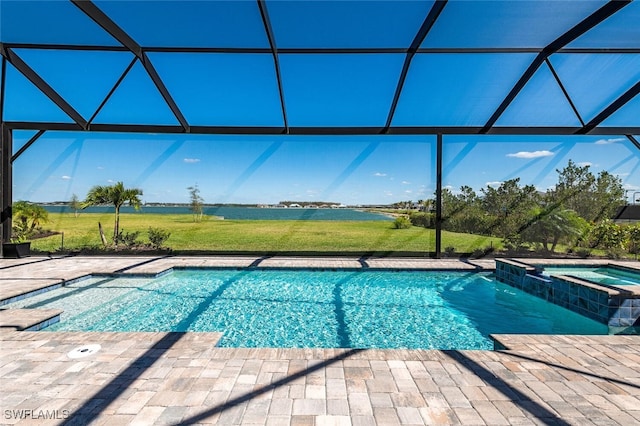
{"type": "Point", "coordinates": [183, 378]}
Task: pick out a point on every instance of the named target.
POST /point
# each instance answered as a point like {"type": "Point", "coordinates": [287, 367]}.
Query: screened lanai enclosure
{"type": "Point", "coordinates": [476, 125]}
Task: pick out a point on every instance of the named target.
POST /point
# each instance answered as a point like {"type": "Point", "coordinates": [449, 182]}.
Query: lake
{"type": "Point", "coordinates": [242, 213]}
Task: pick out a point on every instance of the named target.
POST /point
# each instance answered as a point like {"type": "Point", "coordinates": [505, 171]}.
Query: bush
{"type": "Point", "coordinates": [583, 252]}
{"type": "Point", "coordinates": [633, 234]}
{"type": "Point", "coordinates": [607, 235]}
{"type": "Point", "coordinates": [514, 244]}
{"type": "Point", "coordinates": [449, 250]}
{"type": "Point", "coordinates": [158, 236]}
{"type": "Point", "coordinates": [615, 253]}
{"type": "Point", "coordinates": [402, 222]}
{"type": "Point", "coordinates": [128, 239]}
{"type": "Point", "coordinates": [426, 220]}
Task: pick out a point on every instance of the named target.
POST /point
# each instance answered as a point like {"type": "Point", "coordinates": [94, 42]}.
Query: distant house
{"type": "Point", "coordinates": [627, 214]}
{"type": "Point", "coordinates": [295, 206]}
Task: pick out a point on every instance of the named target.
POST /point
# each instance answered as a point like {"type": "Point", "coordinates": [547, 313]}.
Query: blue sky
{"type": "Point", "coordinates": [351, 170]}
{"type": "Point", "coordinates": [319, 90]}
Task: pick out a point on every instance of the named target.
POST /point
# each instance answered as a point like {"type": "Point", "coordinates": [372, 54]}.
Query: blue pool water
{"type": "Point", "coordinates": [307, 308]}
{"type": "Point", "coordinates": [602, 275]}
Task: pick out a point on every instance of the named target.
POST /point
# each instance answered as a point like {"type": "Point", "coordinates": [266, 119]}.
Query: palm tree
{"type": "Point", "coordinates": [116, 195]}
{"type": "Point", "coordinates": [553, 225]}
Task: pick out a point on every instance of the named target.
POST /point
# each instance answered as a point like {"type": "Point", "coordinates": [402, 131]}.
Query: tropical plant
{"type": "Point", "coordinates": [550, 226]}
{"type": "Point", "coordinates": [116, 195]}
{"type": "Point", "coordinates": [27, 220]}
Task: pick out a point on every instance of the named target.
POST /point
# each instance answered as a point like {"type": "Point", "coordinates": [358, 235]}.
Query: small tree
{"type": "Point", "coordinates": [75, 204]}
{"type": "Point", "coordinates": [116, 195]}
{"type": "Point", "coordinates": [195, 202]}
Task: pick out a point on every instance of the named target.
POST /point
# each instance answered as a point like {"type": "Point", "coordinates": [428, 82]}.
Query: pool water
{"type": "Point", "coordinates": [602, 275]}
{"type": "Point", "coordinates": [310, 308]}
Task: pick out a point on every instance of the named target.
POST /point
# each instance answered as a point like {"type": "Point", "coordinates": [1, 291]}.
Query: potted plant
{"type": "Point", "coordinates": [27, 219]}
{"type": "Point", "coordinates": [16, 248]}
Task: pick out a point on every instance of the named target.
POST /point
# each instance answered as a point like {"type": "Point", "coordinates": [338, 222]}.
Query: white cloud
{"type": "Point", "coordinates": [191, 160]}
{"type": "Point", "coordinates": [531, 154]}
{"type": "Point", "coordinates": [388, 193]}
{"type": "Point", "coordinates": [404, 182]}
{"type": "Point", "coordinates": [100, 168]}
{"type": "Point", "coordinates": [65, 177]}
{"type": "Point", "coordinates": [608, 141]}
{"type": "Point", "coordinates": [378, 174]}
{"type": "Point", "coordinates": [585, 163]}
{"type": "Point", "coordinates": [408, 191]}
{"type": "Point", "coordinates": [493, 183]}
{"type": "Point", "coordinates": [111, 181]}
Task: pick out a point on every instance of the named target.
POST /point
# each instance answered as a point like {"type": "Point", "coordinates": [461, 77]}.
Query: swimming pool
{"type": "Point", "coordinates": [607, 275]}
{"type": "Point", "coordinates": [313, 308]}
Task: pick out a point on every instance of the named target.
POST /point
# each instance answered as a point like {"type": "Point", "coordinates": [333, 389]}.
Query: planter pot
{"type": "Point", "coordinates": [16, 250]}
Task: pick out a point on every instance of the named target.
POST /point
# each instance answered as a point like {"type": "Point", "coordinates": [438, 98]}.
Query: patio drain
{"type": "Point", "coordinates": [83, 351]}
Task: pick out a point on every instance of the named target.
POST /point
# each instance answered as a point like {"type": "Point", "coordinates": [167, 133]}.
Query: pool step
{"type": "Point", "coordinates": [28, 319]}
{"type": "Point", "coordinates": [12, 292]}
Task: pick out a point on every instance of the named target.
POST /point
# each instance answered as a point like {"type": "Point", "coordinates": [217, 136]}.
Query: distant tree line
{"type": "Point", "coordinates": [575, 212]}
{"type": "Point", "coordinates": [315, 203]}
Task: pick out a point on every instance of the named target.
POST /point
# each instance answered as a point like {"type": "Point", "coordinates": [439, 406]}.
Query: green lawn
{"type": "Point", "coordinates": [258, 236]}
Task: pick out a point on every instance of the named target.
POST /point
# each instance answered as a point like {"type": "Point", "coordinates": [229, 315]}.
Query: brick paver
{"type": "Point", "coordinates": [183, 378]}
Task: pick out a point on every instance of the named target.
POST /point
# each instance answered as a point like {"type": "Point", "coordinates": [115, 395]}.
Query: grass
{"type": "Point", "coordinates": [256, 236]}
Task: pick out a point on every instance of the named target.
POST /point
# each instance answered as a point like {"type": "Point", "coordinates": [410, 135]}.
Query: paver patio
{"type": "Point", "coordinates": [183, 378]}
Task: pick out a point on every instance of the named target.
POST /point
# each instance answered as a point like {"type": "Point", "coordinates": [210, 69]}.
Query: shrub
{"type": "Point", "coordinates": [128, 239]}
{"type": "Point", "coordinates": [633, 234]}
{"type": "Point", "coordinates": [615, 253]}
{"type": "Point", "coordinates": [514, 244]}
{"type": "Point", "coordinates": [449, 250]}
{"type": "Point", "coordinates": [607, 235]}
{"type": "Point", "coordinates": [158, 236]}
{"type": "Point", "coordinates": [402, 222]}
{"type": "Point", "coordinates": [583, 252]}
{"type": "Point", "coordinates": [425, 220]}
